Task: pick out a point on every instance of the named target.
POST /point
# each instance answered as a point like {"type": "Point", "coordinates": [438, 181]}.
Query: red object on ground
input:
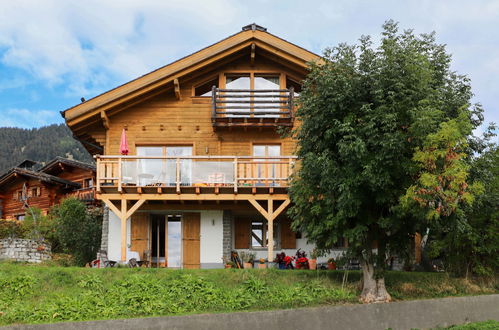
{"type": "Point", "coordinates": [124, 143]}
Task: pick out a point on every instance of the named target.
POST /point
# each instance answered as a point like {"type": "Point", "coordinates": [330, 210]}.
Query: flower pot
{"type": "Point", "coordinates": [247, 265]}
{"type": "Point", "coordinates": [312, 264]}
{"type": "Point", "coordinates": [262, 266]}
{"type": "Point", "coordinates": [331, 265]}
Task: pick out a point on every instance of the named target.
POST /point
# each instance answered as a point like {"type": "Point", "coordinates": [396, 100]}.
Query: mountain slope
{"type": "Point", "coordinates": [38, 144]}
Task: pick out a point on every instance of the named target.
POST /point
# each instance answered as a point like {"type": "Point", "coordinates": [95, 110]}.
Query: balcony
{"type": "Point", "coordinates": [193, 175]}
{"type": "Point", "coordinates": [252, 108]}
{"type": "Point", "coordinates": [86, 195]}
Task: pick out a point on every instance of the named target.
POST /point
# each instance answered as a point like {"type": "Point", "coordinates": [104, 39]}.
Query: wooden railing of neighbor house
{"type": "Point", "coordinates": [252, 107]}
{"type": "Point", "coordinates": [228, 173]}
{"type": "Point", "coordinates": [86, 195]}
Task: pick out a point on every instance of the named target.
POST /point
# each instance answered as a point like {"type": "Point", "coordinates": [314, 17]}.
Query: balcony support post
{"type": "Point", "coordinates": [270, 215]}
{"type": "Point", "coordinates": [123, 214]}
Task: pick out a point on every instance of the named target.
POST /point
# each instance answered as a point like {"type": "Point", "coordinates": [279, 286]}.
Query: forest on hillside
{"type": "Point", "coordinates": [38, 144]}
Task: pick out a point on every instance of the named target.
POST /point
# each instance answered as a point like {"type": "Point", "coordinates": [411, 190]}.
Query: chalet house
{"type": "Point", "coordinates": [207, 170]}
{"type": "Point", "coordinates": [26, 186]}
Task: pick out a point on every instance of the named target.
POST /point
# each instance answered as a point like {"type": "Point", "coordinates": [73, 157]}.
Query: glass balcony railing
{"type": "Point", "coordinates": [194, 171]}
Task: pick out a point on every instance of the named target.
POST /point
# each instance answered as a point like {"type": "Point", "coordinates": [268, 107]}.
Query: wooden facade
{"type": "Point", "coordinates": [22, 188]}
{"type": "Point", "coordinates": [214, 106]}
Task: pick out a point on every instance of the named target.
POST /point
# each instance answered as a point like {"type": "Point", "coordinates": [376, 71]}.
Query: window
{"type": "Point", "coordinates": [151, 171]}
{"type": "Point", "coordinates": [20, 217]}
{"type": "Point", "coordinates": [260, 235]}
{"type": "Point", "coordinates": [88, 183]}
{"type": "Point", "coordinates": [205, 88]}
{"type": "Point", "coordinates": [238, 81]}
{"type": "Point", "coordinates": [35, 192]}
{"type": "Point", "coordinates": [18, 195]}
{"type": "Point", "coordinates": [268, 170]}
{"type": "Point", "coordinates": [341, 243]}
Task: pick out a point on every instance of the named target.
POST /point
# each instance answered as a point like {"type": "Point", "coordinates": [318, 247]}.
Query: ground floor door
{"type": "Point", "coordinates": [174, 240]}
{"type": "Point", "coordinates": [191, 227]}
{"type": "Point", "coordinates": [158, 240]}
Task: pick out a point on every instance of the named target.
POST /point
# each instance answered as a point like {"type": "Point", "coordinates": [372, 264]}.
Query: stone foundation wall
{"type": "Point", "coordinates": [24, 250]}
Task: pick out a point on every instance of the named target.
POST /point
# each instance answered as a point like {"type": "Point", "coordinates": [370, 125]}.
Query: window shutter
{"type": "Point", "coordinates": [288, 237]}
{"type": "Point", "coordinates": [242, 233]}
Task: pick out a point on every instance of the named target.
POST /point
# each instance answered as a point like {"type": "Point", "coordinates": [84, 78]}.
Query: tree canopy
{"type": "Point", "coordinates": [368, 118]}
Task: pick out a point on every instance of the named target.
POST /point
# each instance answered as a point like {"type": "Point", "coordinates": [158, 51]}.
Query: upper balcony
{"type": "Point", "coordinates": [193, 175]}
{"type": "Point", "coordinates": [252, 107]}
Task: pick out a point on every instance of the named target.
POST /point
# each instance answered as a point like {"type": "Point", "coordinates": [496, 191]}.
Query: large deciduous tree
{"type": "Point", "coordinates": [370, 118]}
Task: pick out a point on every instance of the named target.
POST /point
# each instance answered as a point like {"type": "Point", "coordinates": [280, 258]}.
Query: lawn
{"type": "Point", "coordinates": [39, 294]}
{"type": "Point", "coordinates": [487, 325]}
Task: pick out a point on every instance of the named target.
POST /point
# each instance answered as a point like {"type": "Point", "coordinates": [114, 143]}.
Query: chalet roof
{"type": "Point", "coordinates": [250, 34]}
{"type": "Point", "coordinates": [69, 162]}
{"type": "Point", "coordinates": [27, 163]}
{"type": "Point", "coordinates": [43, 177]}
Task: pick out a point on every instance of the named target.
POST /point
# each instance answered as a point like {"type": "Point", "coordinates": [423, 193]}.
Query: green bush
{"type": "Point", "coordinates": [78, 229]}
{"type": "Point", "coordinates": [11, 229]}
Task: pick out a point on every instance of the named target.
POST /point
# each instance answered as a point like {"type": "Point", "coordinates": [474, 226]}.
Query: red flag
{"type": "Point", "coordinates": [124, 143]}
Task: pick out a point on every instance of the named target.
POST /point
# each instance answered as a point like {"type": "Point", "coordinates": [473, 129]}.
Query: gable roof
{"type": "Point", "coordinates": [250, 34]}
{"type": "Point", "coordinates": [69, 162]}
{"type": "Point", "coordinates": [43, 177]}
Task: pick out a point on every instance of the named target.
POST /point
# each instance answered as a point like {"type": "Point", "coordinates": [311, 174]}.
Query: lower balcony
{"type": "Point", "coordinates": [193, 175]}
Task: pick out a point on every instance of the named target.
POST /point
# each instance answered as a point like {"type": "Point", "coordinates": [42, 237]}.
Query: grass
{"type": "Point", "coordinates": [41, 294]}
{"type": "Point", "coordinates": [487, 325]}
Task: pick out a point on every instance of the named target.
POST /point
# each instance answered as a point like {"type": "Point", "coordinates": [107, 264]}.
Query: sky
{"type": "Point", "coordinates": [54, 52]}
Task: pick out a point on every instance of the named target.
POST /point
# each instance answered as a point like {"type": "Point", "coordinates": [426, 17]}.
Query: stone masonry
{"type": "Point", "coordinates": [105, 229]}
{"type": "Point", "coordinates": [24, 250]}
{"type": "Point", "coordinates": [227, 232]}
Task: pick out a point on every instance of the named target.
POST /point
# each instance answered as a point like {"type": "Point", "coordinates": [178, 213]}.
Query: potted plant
{"type": "Point", "coordinates": [261, 264]}
{"type": "Point", "coordinates": [283, 261]}
{"type": "Point", "coordinates": [228, 263]}
{"type": "Point", "coordinates": [248, 258]}
{"type": "Point", "coordinates": [312, 262]}
{"type": "Point", "coordinates": [301, 260]}
{"type": "Point", "coordinates": [331, 264]}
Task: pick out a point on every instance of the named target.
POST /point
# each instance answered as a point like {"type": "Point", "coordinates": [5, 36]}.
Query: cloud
{"type": "Point", "coordinates": [88, 44]}
{"type": "Point", "coordinates": [82, 48]}
{"type": "Point", "coordinates": [25, 118]}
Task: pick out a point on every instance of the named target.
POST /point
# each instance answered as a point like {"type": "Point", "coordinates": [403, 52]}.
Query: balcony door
{"type": "Point", "coordinates": [266, 82]}
{"type": "Point", "coordinates": [163, 171]}
{"type": "Point", "coordinates": [269, 170]}
{"type": "Point", "coordinates": [253, 86]}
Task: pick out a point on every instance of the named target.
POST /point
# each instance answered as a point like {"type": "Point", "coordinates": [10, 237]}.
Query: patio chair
{"type": "Point", "coordinates": [132, 263]}
{"type": "Point", "coordinates": [102, 261]}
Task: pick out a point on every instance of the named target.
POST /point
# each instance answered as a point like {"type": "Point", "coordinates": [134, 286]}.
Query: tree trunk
{"type": "Point", "coordinates": [373, 289]}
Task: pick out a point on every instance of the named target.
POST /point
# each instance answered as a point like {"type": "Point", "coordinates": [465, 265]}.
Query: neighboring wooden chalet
{"type": "Point", "coordinates": [207, 170]}
{"type": "Point", "coordinates": [25, 186]}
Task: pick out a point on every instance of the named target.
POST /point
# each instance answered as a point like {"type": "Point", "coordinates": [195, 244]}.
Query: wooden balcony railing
{"type": "Point", "coordinates": [86, 195]}
{"type": "Point", "coordinates": [178, 173]}
{"type": "Point", "coordinates": [252, 107]}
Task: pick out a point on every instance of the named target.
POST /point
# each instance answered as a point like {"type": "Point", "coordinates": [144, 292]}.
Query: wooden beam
{"type": "Point", "coordinates": [105, 119]}
{"type": "Point", "coordinates": [134, 208]}
{"type": "Point", "coordinates": [176, 85]}
{"type": "Point", "coordinates": [112, 207]}
{"type": "Point", "coordinates": [260, 208]}
{"type": "Point", "coordinates": [270, 228]}
{"type": "Point", "coordinates": [281, 208]}
{"type": "Point", "coordinates": [191, 197]}
{"type": "Point", "coordinates": [123, 229]}
{"type": "Point", "coordinates": [252, 58]}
